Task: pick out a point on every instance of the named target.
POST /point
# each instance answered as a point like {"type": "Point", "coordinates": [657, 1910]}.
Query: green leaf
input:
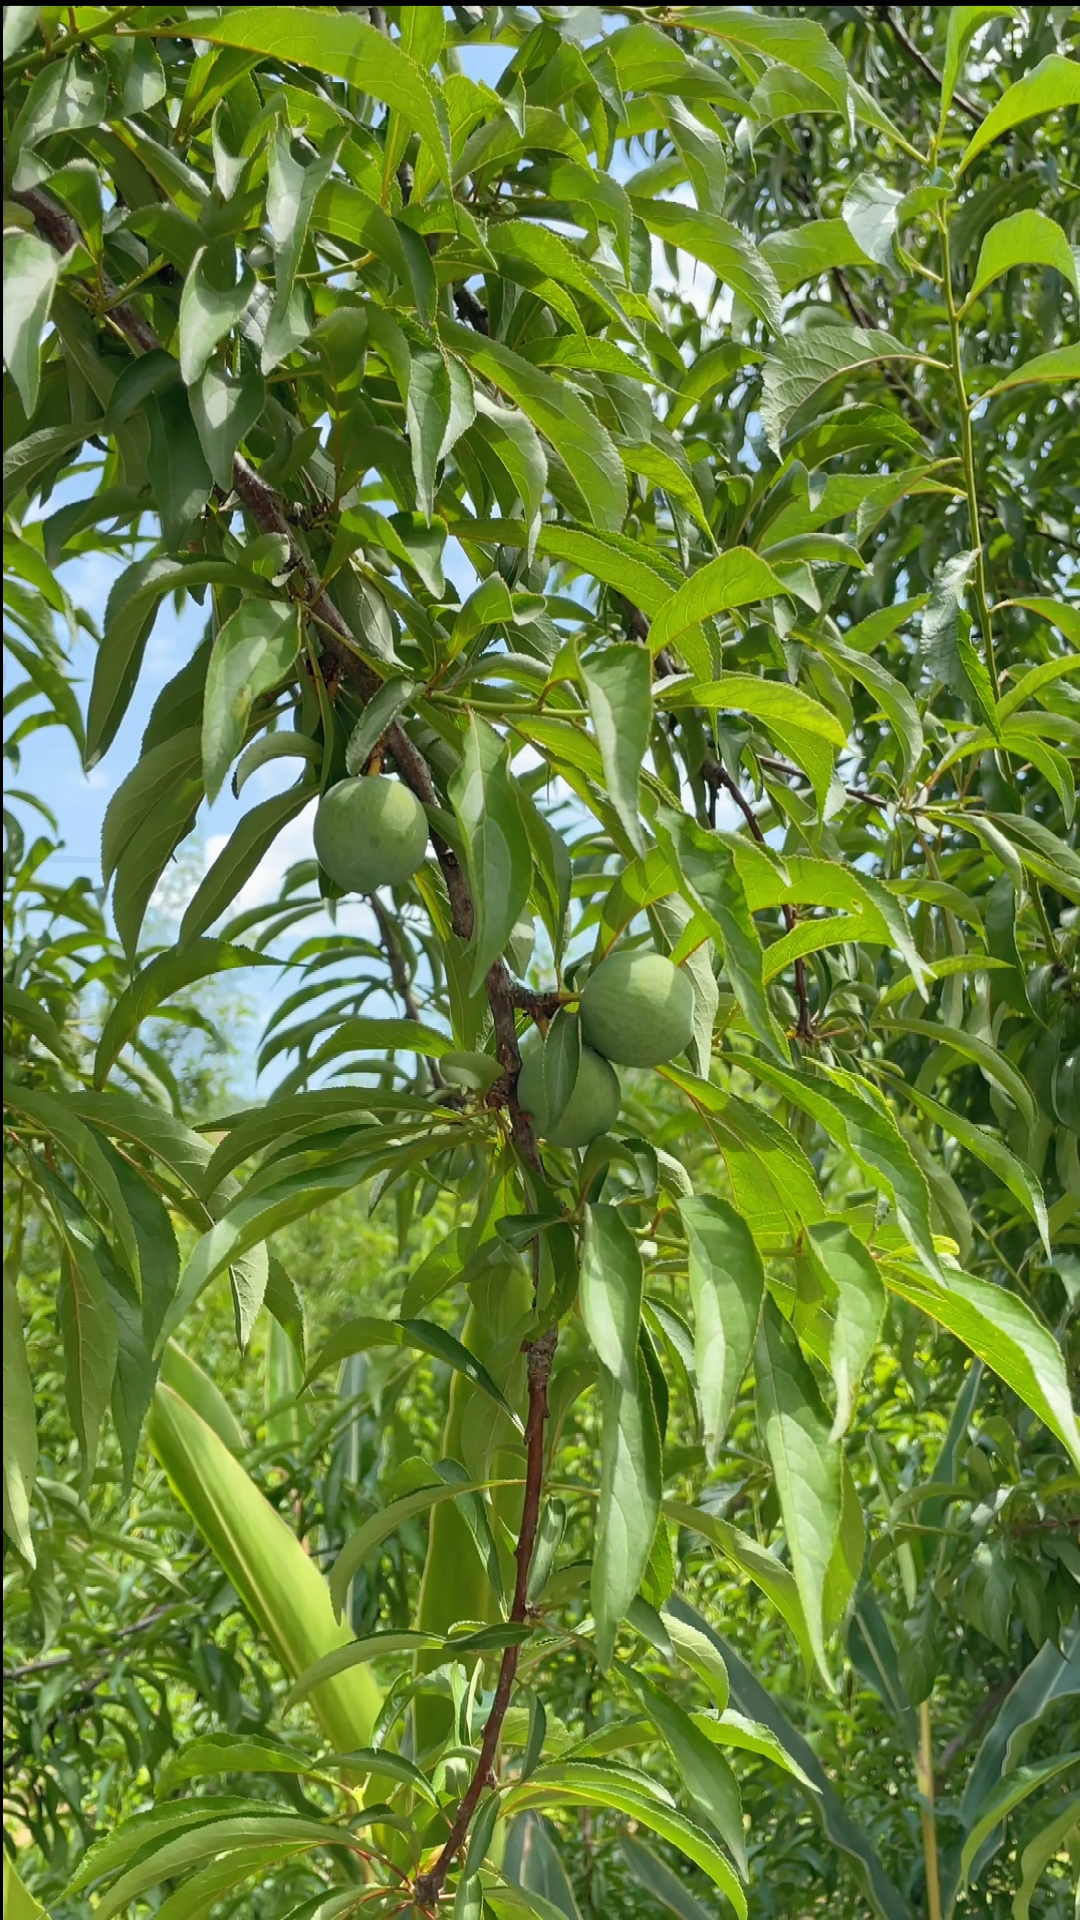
{"type": "Point", "coordinates": [806, 361]}
{"type": "Point", "coordinates": [1061, 364]}
{"type": "Point", "coordinates": [1039, 1852]}
{"type": "Point", "coordinates": [1027, 238]}
{"type": "Point", "coordinates": [631, 1478]}
{"type": "Point", "coordinates": [1049, 1677]}
{"type": "Point", "coordinates": [733, 258]}
{"type": "Point", "coordinates": [805, 1463]}
{"type": "Point", "coordinates": [559, 414]}
{"type": "Point", "coordinates": [163, 976]}
{"type": "Point", "coordinates": [798, 43]}
{"type": "Point", "coordinates": [1054, 83]}
{"type": "Point", "coordinates": [252, 653]}
{"type": "Point", "coordinates": [65, 95]}
{"type": "Point", "coordinates": [339, 45]}
{"type": "Point", "coordinates": [31, 271]}
{"type": "Point", "coordinates": [805, 253]}
{"type": "Point", "coordinates": [89, 1335]}
{"type": "Point", "coordinates": [497, 854]}
{"type": "Point", "coordinates": [581, 1783]}
{"type": "Point", "coordinates": [291, 191]}
{"type": "Point", "coordinates": [54, 1117]}
{"type": "Point", "coordinates": [357, 1653]}
{"type": "Point", "coordinates": [734, 579]}
{"type": "Point", "coordinates": [1011, 1171]}
{"type": "Point", "coordinates": [239, 858]}
{"type": "Point", "coordinates": [273, 746]}
{"type": "Point", "coordinates": [618, 689]}
{"type": "Point", "coordinates": [379, 714]}
{"type": "Point", "coordinates": [610, 1293]}
{"type": "Point", "coordinates": [870, 212]}
{"type": "Point", "coordinates": [428, 415]}
{"type": "Point", "coordinates": [276, 1579]}
{"type": "Point", "coordinates": [362, 1544]}
{"type": "Point", "coordinates": [775, 1580]}
{"type": "Point", "coordinates": [727, 1281]}
{"type": "Point", "coordinates": [211, 304]}
{"type": "Point", "coordinates": [1010, 1792]}
{"type": "Point", "coordinates": [712, 883]}
{"type": "Point", "coordinates": [234, 1753]}
{"type": "Point", "coordinates": [176, 466]}
{"type": "Point", "coordinates": [645, 577]}
{"type": "Point", "coordinates": [752, 1699]}
{"type": "Point", "coordinates": [359, 1336]}
{"type": "Point", "coordinates": [19, 1902]}
{"type": "Point", "coordinates": [859, 1304]}
{"type": "Point", "coordinates": [20, 1428]}
{"type": "Point", "coordinates": [665, 1887]}
{"type": "Point", "coordinates": [1006, 1333]}
{"type": "Point", "coordinates": [704, 1772]}
{"type": "Point", "coordinates": [224, 410]}
{"type": "Point", "coordinates": [963, 25]}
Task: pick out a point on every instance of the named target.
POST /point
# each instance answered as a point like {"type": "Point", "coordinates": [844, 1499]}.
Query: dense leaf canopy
{"type": "Point", "coordinates": [627, 463]}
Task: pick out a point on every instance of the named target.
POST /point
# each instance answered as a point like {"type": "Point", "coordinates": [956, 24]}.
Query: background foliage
{"type": "Point", "coordinates": [663, 460]}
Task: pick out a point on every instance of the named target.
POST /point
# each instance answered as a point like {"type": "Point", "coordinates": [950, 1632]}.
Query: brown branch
{"type": "Point", "coordinates": [340, 658]}
{"type": "Point", "coordinates": [31, 1667]}
{"type": "Point", "coordinates": [915, 53]}
{"type": "Point", "coordinates": [862, 794]}
{"type": "Point", "coordinates": [541, 1353]}
{"type": "Point", "coordinates": [470, 310]}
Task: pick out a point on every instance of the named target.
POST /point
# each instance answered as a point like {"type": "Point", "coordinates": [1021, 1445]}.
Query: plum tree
{"type": "Point", "coordinates": [370, 833]}
{"type": "Point", "coordinates": [637, 1008]}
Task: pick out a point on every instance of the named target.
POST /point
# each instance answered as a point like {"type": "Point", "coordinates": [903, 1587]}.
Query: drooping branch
{"type": "Point", "coordinates": [340, 658]}
{"type": "Point", "coordinates": [540, 1355]}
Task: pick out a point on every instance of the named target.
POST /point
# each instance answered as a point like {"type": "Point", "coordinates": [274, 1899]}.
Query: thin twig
{"type": "Point", "coordinates": [862, 794]}
{"type": "Point", "coordinates": [541, 1353]}
{"type": "Point", "coordinates": [31, 1667]}
{"type": "Point", "coordinates": [915, 53]}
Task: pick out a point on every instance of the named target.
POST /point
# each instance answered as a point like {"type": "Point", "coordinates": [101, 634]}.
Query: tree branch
{"type": "Point", "coordinates": [339, 653]}
{"type": "Point", "coordinates": [541, 1353]}
{"type": "Point", "coordinates": [31, 1667]}
{"type": "Point", "coordinates": [915, 53]}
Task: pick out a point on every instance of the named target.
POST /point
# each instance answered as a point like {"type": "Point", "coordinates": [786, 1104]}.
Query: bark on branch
{"type": "Point", "coordinates": [540, 1354]}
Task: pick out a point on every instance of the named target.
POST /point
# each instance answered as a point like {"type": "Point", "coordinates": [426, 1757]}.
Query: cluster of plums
{"type": "Point", "coordinates": [637, 1009]}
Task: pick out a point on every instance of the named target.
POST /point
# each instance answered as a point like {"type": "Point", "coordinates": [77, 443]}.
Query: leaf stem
{"type": "Point", "coordinates": [967, 456]}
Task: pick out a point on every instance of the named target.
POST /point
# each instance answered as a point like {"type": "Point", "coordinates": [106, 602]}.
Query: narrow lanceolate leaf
{"type": "Point", "coordinates": [31, 271]}
{"type": "Point", "coordinates": [163, 976]}
{"type": "Point", "coordinates": [1004, 1331]}
{"type": "Point", "coordinates": [617, 686]}
{"type": "Point", "coordinates": [279, 1583]}
{"type": "Point", "coordinates": [581, 1783]}
{"type": "Point", "coordinates": [89, 1334]}
{"type": "Point", "coordinates": [1009, 1793]}
{"type": "Point", "coordinates": [364, 1541]}
{"type": "Point", "coordinates": [727, 1280]}
{"type": "Point", "coordinates": [81, 1144]}
{"type": "Point", "coordinates": [775, 1580]}
{"type": "Point", "coordinates": [496, 844]}
{"type": "Point", "coordinates": [212, 302]}
{"type": "Point", "coordinates": [423, 1336]}
{"type": "Point", "coordinates": [428, 413]}
{"type": "Point", "coordinates": [805, 1463]}
{"type": "Point", "coordinates": [705, 1774]}
{"type": "Point", "coordinates": [610, 1295]}
{"type": "Point", "coordinates": [252, 653]}
{"type": "Point", "coordinates": [20, 1427]}
{"type": "Point", "coordinates": [631, 1476]}
{"type": "Point", "coordinates": [713, 885]}
{"type": "Point", "coordinates": [857, 1309]}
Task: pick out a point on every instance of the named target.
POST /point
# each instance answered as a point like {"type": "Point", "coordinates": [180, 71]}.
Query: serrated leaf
{"type": "Point", "coordinates": [224, 410]}
{"type": "Point", "coordinates": [360, 1545]}
{"type": "Point", "coordinates": [806, 361]}
{"type": "Point", "coordinates": [851, 1274]}
{"type": "Point", "coordinates": [423, 1336]}
{"type": "Point", "coordinates": [704, 1772]}
{"type": "Point", "coordinates": [734, 579]}
{"type": "Point", "coordinates": [246, 846]}
{"type": "Point", "coordinates": [1028, 238]}
{"type": "Point", "coordinates": [712, 883]}
{"type": "Point", "coordinates": [214, 298]}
